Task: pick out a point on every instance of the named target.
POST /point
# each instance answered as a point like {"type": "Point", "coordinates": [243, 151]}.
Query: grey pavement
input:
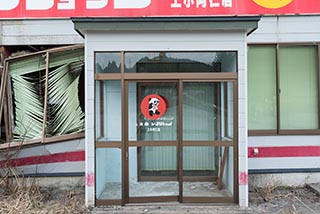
{"type": "Point", "coordinates": [172, 208]}
{"type": "Point", "coordinates": [292, 201]}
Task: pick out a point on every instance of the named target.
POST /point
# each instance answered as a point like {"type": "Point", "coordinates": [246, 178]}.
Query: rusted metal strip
{"type": "Point", "coordinates": [222, 166]}
{"type": "Point", "coordinates": [3, 85]}
{"type": "Point", "coordinates": [45, 98]}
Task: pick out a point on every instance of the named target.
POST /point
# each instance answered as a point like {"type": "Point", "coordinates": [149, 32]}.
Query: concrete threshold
{"type": "Point", "coordinates": [172, 208]}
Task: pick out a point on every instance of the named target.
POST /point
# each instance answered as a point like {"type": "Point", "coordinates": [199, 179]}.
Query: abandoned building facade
{"type": "Point", "coordinates": [159, 105]}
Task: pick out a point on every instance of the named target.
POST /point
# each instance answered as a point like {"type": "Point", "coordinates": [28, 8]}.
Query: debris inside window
{"type": "Point", "coordinates": [43, 89]}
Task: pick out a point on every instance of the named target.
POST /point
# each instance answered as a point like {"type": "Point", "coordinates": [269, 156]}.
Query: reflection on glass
{"type": "Point", "coordinates": [262, 90]}
{"type": "Point", "coordinates": [108, 110]}
{"type": "Point", "coordinates": [299, 104]}
{"type": "Point", "coordinates": [108, 173]}
{"type": "Point", "coordinates": [146, 163]}
{"type": "Point", "coordinates": [200, 161]}
{"type": "Point", "coordinates": [207, 111]}
{"type": "Point", "coordinates": [176, 62]}
{"type": "Point", "coordinates": [200, 112]}
{"type": "Point", "coordinates": [108, 62]}
{"type": "Point", "coordinates": [148, 126]}
{"type": "Point", "coordinates": [214, 165]}
{"type": "Point", "coordinates": [228, 111]}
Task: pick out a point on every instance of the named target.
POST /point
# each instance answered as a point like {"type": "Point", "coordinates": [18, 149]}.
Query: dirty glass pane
{"type": "Point", "coordinates": [299, 88]}
{"type": "Point", "coordinates": [207, 162]}
{"type": "Point", "coordinates": [207, 111]}
{"type": "Point", "coordinates": [67, 56]}
{"type": "Point", "coordinates": [108, 62]}
{"type": "Point", "coordinates": [108, 174]}
{"type": "Point", "coordinates": [146, 163]}
{"type": "Point", "coordinates": [177, 62]}
{"type": "Point", "coordinates": [27, 65]}
{"type": "Point", "coordinates": [262, 92]}
{"type": "Point", "coordinates": [108, 110]}
{"type": "Point", "coordinates": [146, 124]}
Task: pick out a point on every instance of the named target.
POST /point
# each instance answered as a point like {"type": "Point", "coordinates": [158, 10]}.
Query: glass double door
{"type": "Point", "coordinates": [179, 141]}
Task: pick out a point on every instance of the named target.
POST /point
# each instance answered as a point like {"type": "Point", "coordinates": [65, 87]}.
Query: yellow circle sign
{"type": "Point", "coordinates": [273, 4]}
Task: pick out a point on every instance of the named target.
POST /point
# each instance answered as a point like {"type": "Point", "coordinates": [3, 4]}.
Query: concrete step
{"type": "Point", "coordinates": [171, 209]}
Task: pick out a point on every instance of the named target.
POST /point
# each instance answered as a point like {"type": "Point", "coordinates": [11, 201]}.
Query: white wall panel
{"type": "Point", "coordinates": [37, 32]}
{"type": "Point", "coordinates": [294, 140]}
{"type": "Point", "coordinates": [165, 36]}
{"type": "Point", "coordinates": [299, 37]}
{"type": "Point", "coordinates": [287, 162]}
{"type": "Point", "coordinates": [284, 163]}
{"type": "Point", "coordinates": [287, 29]}
{"type": "Point", "coordinates": [66, 146]}
{"type": "Point", "coordinates": [48, 149]}
{"type": "Point", "coordinates": [63, 167]}
{"type": "Point", "coordinates": [163, 46]}
{"type": "Point", "coordinates": [150, 41]}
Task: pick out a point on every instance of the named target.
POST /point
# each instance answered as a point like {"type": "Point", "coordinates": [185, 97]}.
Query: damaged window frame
{"type": "Point", "coordinates": [54, 122]}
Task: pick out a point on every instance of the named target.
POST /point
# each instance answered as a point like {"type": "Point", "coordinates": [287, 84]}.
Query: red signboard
{"type": "Point", "coordinates": [18, 9]}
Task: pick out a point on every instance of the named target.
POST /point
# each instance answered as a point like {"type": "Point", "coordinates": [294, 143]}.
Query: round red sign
{"type": "Point", "coordinates": [153, 106]}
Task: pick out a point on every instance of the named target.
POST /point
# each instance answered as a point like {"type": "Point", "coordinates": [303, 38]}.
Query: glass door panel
{"type": "Point", "coordinates": [206, 169]}
{"type": "Point", "coordinates": [207, 111]}
{"type": "Point", "coordinates": [108, 111]}
{"type": "Point", "coordinates": [152, 111]}
{"type": "Point", "coordinates": [109, 174]}
{"type": "Point", "coordinates": [199, 111]}
{"type": "Point", "coordinates": [153, 143]}
{"type": "Point", "coordinates": [207, 147]}
{"type": "Point", "coordinates": [153, 171]}
{"type": "Point", "coordinates": [212, 175]}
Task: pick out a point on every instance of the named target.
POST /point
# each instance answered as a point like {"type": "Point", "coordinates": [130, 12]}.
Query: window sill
{"type": "Point", "coordinates": [282, 132]}
{"type": "Point", "coordinates": [37, 142]}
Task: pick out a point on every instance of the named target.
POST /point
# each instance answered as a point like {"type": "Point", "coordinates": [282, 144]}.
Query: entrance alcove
{"type": "Point", "coordinates": [194, 67]}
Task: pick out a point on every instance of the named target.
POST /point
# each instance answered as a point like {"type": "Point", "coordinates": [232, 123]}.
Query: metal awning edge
{"type": "Point", "coordinates": [248, 23]}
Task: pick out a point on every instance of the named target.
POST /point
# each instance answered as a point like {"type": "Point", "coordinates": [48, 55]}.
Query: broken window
{"type": "Point", "coordinates": [43, 90]}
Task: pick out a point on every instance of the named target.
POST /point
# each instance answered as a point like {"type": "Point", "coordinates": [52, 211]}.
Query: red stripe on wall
{"type": "Point", "coordinates": [263, 152]}
{"type": "Point", "coordinates": [290, 151]}
{"type": "Point", "coordinates": [52, 158]}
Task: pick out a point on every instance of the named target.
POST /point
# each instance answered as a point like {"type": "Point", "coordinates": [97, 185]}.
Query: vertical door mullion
{"type": "Point", "coordinates": [278, 88]}
{"type": "Point", "coordinates": [180, 140]}
{"type": "Point", "coordinates": [318, 86]}
{"type": "Point", "coordinates": [125, 142]}
{"type": "Point", "coordinates": [124, 134]}
{"type": "Point", "coordinates": [235, 142]}
{"type": "Point", "coordinates": [124, 147]}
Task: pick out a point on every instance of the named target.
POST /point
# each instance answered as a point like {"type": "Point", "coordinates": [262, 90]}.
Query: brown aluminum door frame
{"type": "Point", "coordinates": [126, 144]}
{"type": "Point", "coordinates": [233, 143]}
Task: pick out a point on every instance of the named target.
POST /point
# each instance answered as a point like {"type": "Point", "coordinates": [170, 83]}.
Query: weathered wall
{"type": "Point", "coordinates": [287, 29]}
{"type": "Point", "coordinates": [293, 30]}
{"type": "Point", "coordinates": [48, 160]}
{"type": "Point", "coordinates": [38, 32]}
{"type": "Point", "coordinates": [1, 34]}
